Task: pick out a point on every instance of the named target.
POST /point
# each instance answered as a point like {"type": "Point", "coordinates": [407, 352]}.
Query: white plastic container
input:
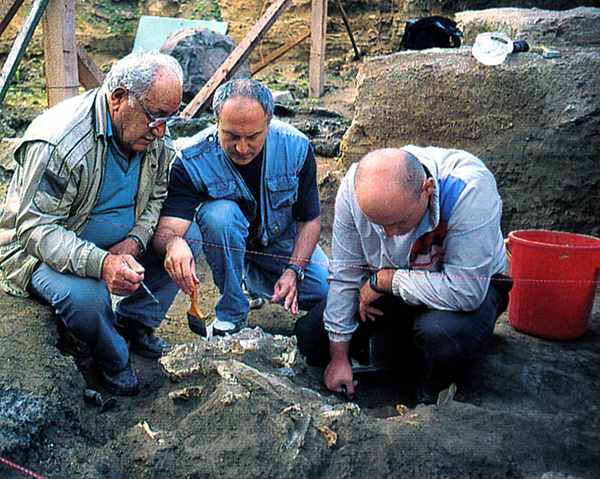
{"type": "Point", "coordinates": [492, 48]}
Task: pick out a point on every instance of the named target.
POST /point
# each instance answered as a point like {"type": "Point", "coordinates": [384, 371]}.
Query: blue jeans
{"type": "Point", "coordinates": [84, 304]}
{"type": "Point", "coordinates": [224, 230]}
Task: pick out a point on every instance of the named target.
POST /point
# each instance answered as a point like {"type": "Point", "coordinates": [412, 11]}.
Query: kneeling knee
{"type": "Point", "coordinates": [220, 217]}
{"type": "Point", "coordinates": [438, 345]}
{"type": "Point", "coordinates": [90, 295]}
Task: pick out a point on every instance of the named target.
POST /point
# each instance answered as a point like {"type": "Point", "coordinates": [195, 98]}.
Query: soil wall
{"type": "Point", "coordinates": [578, 26]}
{"type": "Point", "coordinates": [533, 121]}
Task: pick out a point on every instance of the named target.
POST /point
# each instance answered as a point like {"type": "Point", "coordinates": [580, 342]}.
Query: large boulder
{"type": "Point", "coordinates": [200, 53]}
{"type": "Point", "coordinates": [456, 5]}
{"type": "Point", "coordinates": [534, 122]}
{"type": "Point", "coordinates": [39, 388]}
{"type": "Point", "coordinates": [578, 26]}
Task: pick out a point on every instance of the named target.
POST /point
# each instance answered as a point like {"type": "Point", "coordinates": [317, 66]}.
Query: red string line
{"type": "Point", "coordinates": [368, 269]}
{"type": "Point", "coordinates": [21, 469]}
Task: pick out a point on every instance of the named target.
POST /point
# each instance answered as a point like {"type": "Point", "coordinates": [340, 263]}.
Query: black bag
{"type": "Point", "coordinates": [430, 32]}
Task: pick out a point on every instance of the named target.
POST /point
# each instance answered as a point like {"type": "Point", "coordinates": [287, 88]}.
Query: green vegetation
{"type": "Point", "coordinates": [207, 10]}
{"type": "Point", "coordinates": [119, 19]}
{"type": "Point", "coordinates": [26, 96]}
{"type": "Point", "coordinates": [28, 86]}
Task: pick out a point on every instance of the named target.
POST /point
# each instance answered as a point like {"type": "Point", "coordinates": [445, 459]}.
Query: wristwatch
{"type": "Point", "coordinates": [296, 269]}
{"type": "Point", "coordinates": [373, 282]}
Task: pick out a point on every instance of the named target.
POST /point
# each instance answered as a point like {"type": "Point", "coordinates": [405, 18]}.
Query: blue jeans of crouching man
{"type": "Point", "coordinates": [84, 304]}
{"type": "Point", "coordinates": [224, 230]}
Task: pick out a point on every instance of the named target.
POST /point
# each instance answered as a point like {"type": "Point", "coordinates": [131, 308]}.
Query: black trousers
{"type": "Point", "coordinates": [429, 343]}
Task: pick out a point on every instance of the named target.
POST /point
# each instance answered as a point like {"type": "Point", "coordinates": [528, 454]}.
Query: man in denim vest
{"type": "Point", "coordinates": [249, 183]}
{"type": "Point", "coordinates": [82, 207]}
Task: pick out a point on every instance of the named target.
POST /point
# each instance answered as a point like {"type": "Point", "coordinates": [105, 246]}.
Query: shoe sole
{"type": "Point", "coordinates": [147, 354]}
{"type": "Point", "coordinates": [134, 391]}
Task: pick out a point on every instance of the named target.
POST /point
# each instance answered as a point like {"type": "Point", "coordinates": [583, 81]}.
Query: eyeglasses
{"type": "Point", "coordinates": [156, 121]}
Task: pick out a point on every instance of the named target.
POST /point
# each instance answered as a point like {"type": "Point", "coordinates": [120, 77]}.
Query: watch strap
{"type": "Point", "coordinates": [373, 282]}
{"type": "Point", "coordinates": [296, 269]}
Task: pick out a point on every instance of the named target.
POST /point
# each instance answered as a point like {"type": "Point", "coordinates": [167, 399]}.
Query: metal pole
{"type": "Point", "coordinates": [349, 30]}
{"type": "Point", "coordinates": [8, 9]}
{"type": "Point", "coordinates": [20, 45]}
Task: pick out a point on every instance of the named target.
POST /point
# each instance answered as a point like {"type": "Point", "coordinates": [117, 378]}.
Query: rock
{"type": "Point", "coordinates": [578, 26]}
{"type": "Point", "coordinates": [183, 132]}
{"type": "Point", "coordinates": [522, 417]}
{"type": "Point", "coordinates": [7, 149]}
{"type": "Point", "coordinates": [200, 53]}
{"type": "Point", "coordinates": [530, 120]}
{"type": "Point", "coordinates": [39, 388]}
{"type": "Point", "coordinates": [284, 98]}
{"type": "Point", "coordinates": [325, 128]}
{"type": "Point", "coordinates": [284, 103]}
{"type": "Point", "coordinates": [410, 6]}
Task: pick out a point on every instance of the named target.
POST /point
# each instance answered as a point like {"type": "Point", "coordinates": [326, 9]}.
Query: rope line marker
{"type": "Point", "coordinates": [21, 469]}
{"type": "Point", "coordinates": [368, 269]}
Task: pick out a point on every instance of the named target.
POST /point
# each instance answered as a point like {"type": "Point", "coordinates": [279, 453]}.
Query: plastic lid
{"type": "Point", "coordinates": [491, 48]}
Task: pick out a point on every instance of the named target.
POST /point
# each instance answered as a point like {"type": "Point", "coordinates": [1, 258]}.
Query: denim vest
{"type": "Point", "coordinates": [213, 174]}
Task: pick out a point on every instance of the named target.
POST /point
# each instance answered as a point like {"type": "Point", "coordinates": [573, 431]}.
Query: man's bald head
{"type": "Point", "coordinates": [392, 189]}
{"type": "Point", "coordinates": [401, 168]}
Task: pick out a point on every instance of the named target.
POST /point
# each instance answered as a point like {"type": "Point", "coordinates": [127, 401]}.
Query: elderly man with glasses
{"type": "Point", "coordinates": [82, 207]}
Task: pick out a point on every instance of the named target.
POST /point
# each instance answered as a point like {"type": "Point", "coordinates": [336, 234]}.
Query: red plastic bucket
{"type": "Point", "coordinates": [555, 278]}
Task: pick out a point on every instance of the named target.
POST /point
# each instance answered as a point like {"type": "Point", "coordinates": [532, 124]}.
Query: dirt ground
{"type": "Point", "coordinates": [248, 407]}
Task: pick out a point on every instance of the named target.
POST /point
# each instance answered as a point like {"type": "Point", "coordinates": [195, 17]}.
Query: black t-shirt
{"type": "Point", "coordinates": [183, 198]}
{"type": "Point", "coordinates": [251, 174]}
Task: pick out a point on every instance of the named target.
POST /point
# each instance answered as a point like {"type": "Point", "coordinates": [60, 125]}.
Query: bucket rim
{"type": "Point", "coordinates": [513, 236]}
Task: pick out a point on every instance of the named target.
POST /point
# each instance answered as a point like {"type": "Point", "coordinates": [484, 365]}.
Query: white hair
{"type": "Point", "coordinates": [136, 72]}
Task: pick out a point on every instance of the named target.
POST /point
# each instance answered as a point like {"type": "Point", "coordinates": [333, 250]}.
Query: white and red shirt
{"type": "Point", "coordinates": [445, 263]}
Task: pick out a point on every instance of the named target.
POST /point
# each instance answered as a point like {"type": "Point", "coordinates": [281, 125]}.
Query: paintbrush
{"type": "Point", "coordinates": [199, 323]}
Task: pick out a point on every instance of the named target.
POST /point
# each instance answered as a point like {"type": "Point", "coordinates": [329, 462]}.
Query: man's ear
{"type": "Point", "coordinates": [428, 186]}
{"type": "Point", "coordinates": [117, 98]}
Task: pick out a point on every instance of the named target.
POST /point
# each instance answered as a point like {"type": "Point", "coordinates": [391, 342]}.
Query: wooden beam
{"type": "Point", "coordinates": [8, 8]}
{"type": "Point", "coordinates": [18, 49]}
{"type": "Point", "coordinates": [236, 57]}
{"type": "Point", "coordinates": [60, 51]}
{"type": "Point", "coordinates": [280, 52]}
{"type": "Point", "coordinates": [90, 76]}
{"type": "Point", "coordinates": [316, 65]}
